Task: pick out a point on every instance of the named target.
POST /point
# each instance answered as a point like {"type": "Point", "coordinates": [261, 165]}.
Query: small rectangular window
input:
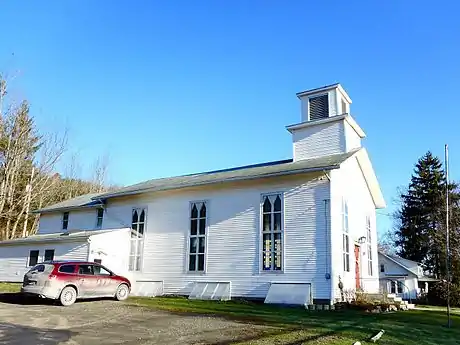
{"type": "Point", "coordinates": [65, 220]}
{"type": "Point", "coordinates": [33, 257]}
{"type": "Point", "coordinates": [382, 268]}
{"type": "Point", "coordinates": [49, 255]}
{"type": "Point", "coordinates": [67, 269]}
{"type": "Point", "coordinates": [197, 237]}
{"type": "Point", "coordinates": [319, 107]}
{"type": "Point", "coordinates": [100, 217]}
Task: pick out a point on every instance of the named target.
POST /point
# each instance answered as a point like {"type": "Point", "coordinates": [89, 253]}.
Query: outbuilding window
{"type": "Point", "coordinates": [197, 238]}
{"type": "Point", "coordinates": [49, 255]}
{"type": "Point", "coordinates": [100, 218]}
{"type": "Point", "coordinates": [272, 232]}
{"type": "Point", "coordinates": [33, 257]}
{"type": "Point", "coordinates": [65, 220]}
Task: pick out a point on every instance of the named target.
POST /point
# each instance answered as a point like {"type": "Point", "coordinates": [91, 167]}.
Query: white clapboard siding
{"type": "Point", "coordinates": [319, 140]}
{"type": "Point", "coordinates": [112, 248]}
{"type": "Point", "coordinates": [14, 258]}
{"type": "Point", "coordinates": [233, 242]}
{"type": "Point", "coordinates": [85, 219]}
{"type": "Point", "coordinates": [348, 182]}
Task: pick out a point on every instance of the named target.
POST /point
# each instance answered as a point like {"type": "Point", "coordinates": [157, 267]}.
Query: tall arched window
{"type": "Point", "coordinates": [272, 232]}
{"type": "Point", "coordinates": [139, 217]}
{"type": "Point", "coordinates": [369, 245]}
{"type": "Point", "coordinates": [197, 238]}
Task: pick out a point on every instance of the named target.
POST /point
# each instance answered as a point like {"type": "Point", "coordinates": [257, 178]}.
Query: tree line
{"type": "Point", "coordinates": [29, 160]}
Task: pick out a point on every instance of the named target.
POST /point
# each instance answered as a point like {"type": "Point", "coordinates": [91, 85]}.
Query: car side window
{"type": "Point", "coordinates": [67, 269]}
{"type": "Point", "coordinates": [100, 271]}
{"type": "Point", "coordinates": [86, 269]}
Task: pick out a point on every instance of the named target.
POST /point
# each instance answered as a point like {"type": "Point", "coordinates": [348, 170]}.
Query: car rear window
{"type": "Point", "coordinates": [41, 268]}
{"type": "Point", "coordinates": [67, 269]}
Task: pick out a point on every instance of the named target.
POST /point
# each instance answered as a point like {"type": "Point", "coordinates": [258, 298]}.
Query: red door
{"type": "Point", "coordinates": [358, 280]}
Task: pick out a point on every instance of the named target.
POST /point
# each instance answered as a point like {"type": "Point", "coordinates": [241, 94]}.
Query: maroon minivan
{"type": "Point", "coordinates": [68, 280]}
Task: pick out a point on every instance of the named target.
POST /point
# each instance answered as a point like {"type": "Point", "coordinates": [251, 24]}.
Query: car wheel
{"type": "Point", "coordinates": [68, 296]}
{"type": "Point", "coordinates": [122, 292]}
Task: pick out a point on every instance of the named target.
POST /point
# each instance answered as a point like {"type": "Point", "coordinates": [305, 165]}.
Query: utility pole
{"type": "Point", "coordinates": [446, 154]}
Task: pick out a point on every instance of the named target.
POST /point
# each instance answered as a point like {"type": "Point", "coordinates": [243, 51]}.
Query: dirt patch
{"type": "Point", "coordinates": [109, 322]}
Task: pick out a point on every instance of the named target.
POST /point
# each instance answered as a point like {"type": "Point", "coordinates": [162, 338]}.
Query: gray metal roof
{"type": "Point", "coordinates": [56, 237]}
{"type": "Point", "coordinates": [269, 169]}
{"type": "Point", "coordinates": [81, 201]}
{"type": "Point", "coordinates": [278, 168]}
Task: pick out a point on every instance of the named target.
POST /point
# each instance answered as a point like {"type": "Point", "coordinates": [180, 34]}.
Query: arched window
{"type": "Point", "coordinates": [197, 248]}
{"type": "Point", "coordinates": [137, 238]}
{"type": "Point", "coordinates": [272, 232]}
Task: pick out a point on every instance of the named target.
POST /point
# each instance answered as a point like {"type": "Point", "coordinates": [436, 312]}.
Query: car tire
{"type": "Point", "coordinates": [68, 296]}
{"type": "Point", "coordinates": [122, 292]}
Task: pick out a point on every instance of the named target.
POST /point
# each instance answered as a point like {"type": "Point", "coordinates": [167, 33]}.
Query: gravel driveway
{"type": "Point", "coordinates": [110, 322]}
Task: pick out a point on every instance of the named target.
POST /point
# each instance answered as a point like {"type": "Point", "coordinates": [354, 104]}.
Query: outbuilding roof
{"type": "Point", "coordinates": [56, 237]}
{"type": "Point", "coordinates": [81, 201]}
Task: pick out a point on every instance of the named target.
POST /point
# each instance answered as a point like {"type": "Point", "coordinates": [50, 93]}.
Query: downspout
{"type": "Point", "coordinates": [88, 240]}
{"type": "Point", "coordinates": [327, 223]}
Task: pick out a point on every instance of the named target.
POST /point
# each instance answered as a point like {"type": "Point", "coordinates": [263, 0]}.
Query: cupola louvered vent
{"type": "Point", "coordinates": [319, 107]}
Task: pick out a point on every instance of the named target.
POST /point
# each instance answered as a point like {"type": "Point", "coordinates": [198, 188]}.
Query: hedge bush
{"type": "Point", "coordinates": [437, 294]}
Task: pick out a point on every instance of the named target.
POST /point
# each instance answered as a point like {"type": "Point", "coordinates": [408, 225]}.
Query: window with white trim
{"type": "Point", "coordinates": [397, 286]}
{"type": "Point", "coordinates": [197, 237]}
{"type": "Point", "coordinates": [272, 232]}
{"type": "Point", "coordinates": [99, 218]}
{"type": "Point", "coordinates": [65, 220]}
{"type": "Point", "coordinates": [345, 237]}
{"type": "Point", "coordinates": [139, 218]}
{"type": "Point", "coordinates": [369, 246]}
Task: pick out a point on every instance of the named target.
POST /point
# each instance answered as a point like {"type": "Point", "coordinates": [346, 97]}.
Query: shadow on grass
{"type": "Point", "coordinates": [303, 326]}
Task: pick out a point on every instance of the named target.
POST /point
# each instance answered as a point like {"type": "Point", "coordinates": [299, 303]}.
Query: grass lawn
{"type": "Point", "coordinates": [10, 287]}
{"type": "Point", "coordinates": [298, 326]}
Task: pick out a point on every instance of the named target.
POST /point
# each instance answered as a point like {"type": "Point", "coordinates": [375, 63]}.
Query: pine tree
{"type": "Point", "coordinates": [418, 236]}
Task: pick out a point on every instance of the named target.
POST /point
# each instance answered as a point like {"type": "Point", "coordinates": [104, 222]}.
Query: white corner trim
{"type": "Point", "coordinates": [355, 126]}
{"type": "Point", "coordinates": [344, 93]}
{"type": "Point", "coordinates": [371, 179]}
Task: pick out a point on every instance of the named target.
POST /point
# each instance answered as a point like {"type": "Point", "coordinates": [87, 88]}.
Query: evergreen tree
{"type": "Point", "coordinates": [419, 234]}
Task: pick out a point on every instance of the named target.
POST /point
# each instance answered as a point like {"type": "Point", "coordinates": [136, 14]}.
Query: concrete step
{"type": "Point", "coordinates": [391, 295]}
{"type": "Point", "coordinates": [410, 306]}
{"type": "Point", "coordinates": [397, 299]}
{"type": "Point", "coordinates": [404, 302]}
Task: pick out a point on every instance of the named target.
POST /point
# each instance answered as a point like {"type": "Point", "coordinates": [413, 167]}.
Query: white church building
{"type": "Point", "coordinates": [297, 226]}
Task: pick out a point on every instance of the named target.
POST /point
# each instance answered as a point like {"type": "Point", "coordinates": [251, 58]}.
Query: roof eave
{"type": "Point", "coordinates": [396, 262]}
{"type": "Point", "coordinates": [63, 209]}
{"type": "Point", "coordinates": [306, 124]}
{"type": "Point", "coordinates": [235, 179]}
{"type": "Point", "coordinates": [317, 90]}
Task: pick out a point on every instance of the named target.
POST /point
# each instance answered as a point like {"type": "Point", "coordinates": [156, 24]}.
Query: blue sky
{"type": "Point", "coordinates": [176, 87]}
